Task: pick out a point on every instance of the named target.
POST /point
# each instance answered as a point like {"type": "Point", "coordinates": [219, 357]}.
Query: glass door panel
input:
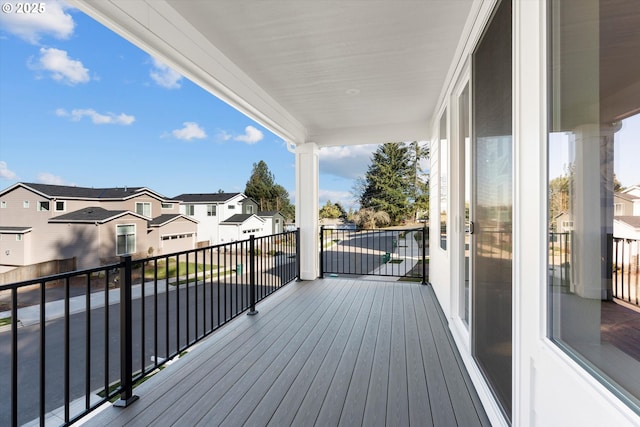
{"type": "Point", "coordinates": [492, 206]}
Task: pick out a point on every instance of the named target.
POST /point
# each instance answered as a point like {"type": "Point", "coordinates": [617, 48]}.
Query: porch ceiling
{"type": "Point", "coordinates": [331, 72]}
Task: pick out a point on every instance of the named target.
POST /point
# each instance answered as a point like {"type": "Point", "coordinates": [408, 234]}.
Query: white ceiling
{"type": "Point", "coordinates": [327, 71]}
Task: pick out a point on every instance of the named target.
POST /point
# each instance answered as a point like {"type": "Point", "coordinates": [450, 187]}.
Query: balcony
{"type": "Point", "coordinates": [324, 352]}
{"type": "Point", "coordinates": [327, 351]}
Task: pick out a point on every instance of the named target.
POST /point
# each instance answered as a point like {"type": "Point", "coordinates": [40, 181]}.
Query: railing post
{"type": "Point", "coordinates": [126, 335]}
{"type": "Point", "coordinates": [609, 269]}
{"type": "Point", "coordinates": [424, 253]}
{"type": "Point", "coordinates": [252, 277]}
{"type": "Point", "coordinates": [298, 255]}
{"type": "Point", "coordinates": [322, 251]}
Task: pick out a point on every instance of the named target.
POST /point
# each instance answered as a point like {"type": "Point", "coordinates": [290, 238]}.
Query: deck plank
{"type": "Point", "coordinates": [418, 395]}
{"type": "Point", "coordinates": [261, 378]}
{"type": "Point", "coordinates": [375, 411]}
{"type": "Point", "coordinates": [331, 409]}
{"type": "Point", "coordinates": [354, 404]}
{"type": "Point", "coordinates": [325, 352]}
{"type": "Point", "coordinates": [398, 399]}
{"type": "Point", "coordinates": [439, 400]}
{"type": "Point", "coordinates": [297, 393]}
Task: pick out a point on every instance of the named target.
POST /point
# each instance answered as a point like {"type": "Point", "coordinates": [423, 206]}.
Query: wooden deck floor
{"type": "Point", "coordinates": [324, 352]}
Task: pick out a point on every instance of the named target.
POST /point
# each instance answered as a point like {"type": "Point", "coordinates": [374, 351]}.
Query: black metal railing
{"type": "Point", "coordinates": [623, 257]}
{"type": "Point", "coordinates": [560, 259]}
{"type": "Point", "coordinates": [380, 252]}
{"type": "Point", "coordinates": [70, 342]}
{"type": "Point", "coordinates": [626, 270]}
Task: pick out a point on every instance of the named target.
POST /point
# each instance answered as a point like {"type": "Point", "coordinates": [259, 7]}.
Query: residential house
{"type": "Point", "coordinates": [227, 217]}
{"type": "Point", "coordinates": [624, 204]}
{"type": "Point", "coordinates": [274, 221]}
{"type": "Point", "coordinates": [241, 227]}
{"type": "Point", "coordinates": [40, 223]}
{"type": "Point", "coordinates": [210, 209]}
{"type": "Point", "coordinates": [500, 89]}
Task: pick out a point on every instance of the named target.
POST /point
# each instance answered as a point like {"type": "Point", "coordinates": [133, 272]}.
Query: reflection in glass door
{"type": "Point", "coordinates": [492, 206]}
{"type": "Point", "coordinates": [465, 160]}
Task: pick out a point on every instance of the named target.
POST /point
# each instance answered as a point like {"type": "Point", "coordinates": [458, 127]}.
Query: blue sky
{"type": "Point", "coordinates": [79, 105]}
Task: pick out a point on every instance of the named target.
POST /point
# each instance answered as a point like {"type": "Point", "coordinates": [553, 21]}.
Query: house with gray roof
{"type": "Point", "coordinates": [41, 222]}
{"type": "Point", "coordinates": [226, 217]}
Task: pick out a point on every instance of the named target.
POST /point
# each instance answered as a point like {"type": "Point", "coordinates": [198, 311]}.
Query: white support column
{"type": "Point", "coordinates": [307, 178]}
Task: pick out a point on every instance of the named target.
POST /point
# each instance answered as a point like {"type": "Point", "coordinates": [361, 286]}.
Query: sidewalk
{"type": "Point", "coordinates": [28, 316]}
{"type": "Point", "coordinates": [408, 251]}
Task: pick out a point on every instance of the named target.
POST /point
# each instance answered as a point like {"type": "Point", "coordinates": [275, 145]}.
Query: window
{"type": "Point", "coordinates": [594, 149]}
{"type": "Point", "coordinates": [232, 206]}
{"type": "Point", "coordinates": [211, 210]}
{"type": "Point", "coordinates": [125, 239]}
{"type": "Point", "coordinates": [190, 209]}
{"type": "Point", "coordinates": [619, 209]}
{"type": "Point", "coordinates": [166, 205]}
{"type": "Point", "coordinates": [19, 237]}
{"type": "Point", "coordinates": [277, 220]}
{"type": "Point", "coordinates": [60, 206]}
{"type": "Point", "coordinates": [443, 149]}
{"type": "Point", "coordinates": [43, 206]}
{"type": "Point", "coordinates": [249, 209]}
{"type": "Point", "coordinates": [143, 208]}
{"type": "Point", "coordinates": [25, 204]}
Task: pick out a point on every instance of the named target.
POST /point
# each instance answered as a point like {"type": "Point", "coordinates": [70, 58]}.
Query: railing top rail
{"type": "Point", "coordinates": [75, 273]}
{"type": "Point", "coordinates": [59, 276]}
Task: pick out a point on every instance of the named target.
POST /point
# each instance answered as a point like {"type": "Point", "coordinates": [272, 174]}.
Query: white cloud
{"type": "Point", "coordinates": [191, 130]}
{"type": "Point", "coordinates": [224, 135]}
{"type": "Point", "coordinates": [251, 135]}
{"type": "Point", "coordinates": [62, 68]}
{"type": "Point", "coordinates": [5, 172]}
{"type": "Point", "coordinates": [51, 179]}
{"type": "Point", "coordinates": [165, 76]}
{"type": "Point", "coordinates": [348, 162]}
{"type": "Point", "coordinates": [96, 118]}
{"type": "Point", "coordinates": [53, 20]}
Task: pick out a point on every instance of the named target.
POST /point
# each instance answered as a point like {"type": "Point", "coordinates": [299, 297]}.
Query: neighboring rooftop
{"type": "Point", "coordinates": [73, 192]}
{"type": "Point", "coordinates": [205, 197]}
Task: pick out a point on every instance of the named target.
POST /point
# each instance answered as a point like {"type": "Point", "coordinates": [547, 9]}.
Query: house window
{"type": "Point", "coordinates": [60, 206]}
{"type": "Point", "coordinates": [125, 239]}
{"type": "Point", "coordinates": [249, 209]}
{"type": "Point", "coordinates": [25, 204]}
{"type": "Point", "coordinates": [567, 225]}
{"type": "Point", "coordinates": [211, 210]}
{"type": "Point", "coordinates": [619, 210]}
{"type": "Point", "coordinates": [190, 209]}
{"type": "Point", "coordinates": [594, 105]}
{"type": "Point", "coordinates": [143, 208]}
{"type": "Point", "coordinates": [19, 237]}
{"type": "Point", "coordinates": [166, 205]}
{"type": "Point", "coordinates": [43, 206]}
{"type": "Point", "coordinates": [232, 207]}
{"type": "Point", "coordinates": [277, 220]}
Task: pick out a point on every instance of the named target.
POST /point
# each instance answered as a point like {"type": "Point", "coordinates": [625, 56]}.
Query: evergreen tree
{"type": "Point", "coordinates": [419, 190]}
{"type": "Point", "coordinates": [387, 183]}
{"type": "Point", "coordinates": [270, 196]}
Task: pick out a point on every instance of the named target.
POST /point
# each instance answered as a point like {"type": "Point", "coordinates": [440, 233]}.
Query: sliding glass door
{"type": "Point", "coordinates": [492, 205]}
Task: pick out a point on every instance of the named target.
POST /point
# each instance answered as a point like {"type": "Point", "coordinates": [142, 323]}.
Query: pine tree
{"type": "Point", "coordinates": [387, 183]}
{"type": "Point", "coordinates": [270, 196]}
